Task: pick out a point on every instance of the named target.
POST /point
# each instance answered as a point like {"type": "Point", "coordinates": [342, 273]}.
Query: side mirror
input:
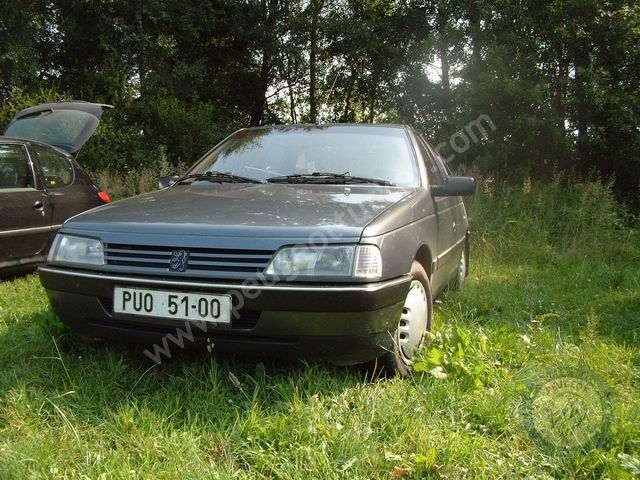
{"type": "Point", "coordinates": [165, 182]}
{"type": "Point", "coordinates": [455, 186]}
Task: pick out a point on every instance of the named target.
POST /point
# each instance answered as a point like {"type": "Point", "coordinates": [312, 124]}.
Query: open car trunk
{"type": "Point", "coordinates": [65, 125]}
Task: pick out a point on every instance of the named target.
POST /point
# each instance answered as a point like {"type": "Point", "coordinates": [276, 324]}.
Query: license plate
{"type": "Point", "coordinates": [178, 305]}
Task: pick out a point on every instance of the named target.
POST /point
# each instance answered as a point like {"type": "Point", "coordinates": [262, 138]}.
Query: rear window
{"type": "Point", "coordinates": [373, 152]}
{"type": "Point", "coordinates": [60, 127]}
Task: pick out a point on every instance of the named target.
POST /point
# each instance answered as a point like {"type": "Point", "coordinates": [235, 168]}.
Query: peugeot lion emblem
{"type": "Point", "coordinates": [179, 261]}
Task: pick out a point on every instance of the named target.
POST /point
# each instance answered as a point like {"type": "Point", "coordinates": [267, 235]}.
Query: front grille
{"type": "Point", "coordinates": [200, 259]}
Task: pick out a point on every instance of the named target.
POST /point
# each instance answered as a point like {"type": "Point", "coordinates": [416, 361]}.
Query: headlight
{"type": "Point", "coordinates": [362, 261]}
{"type": "Point", "coordinates": [71, 249]}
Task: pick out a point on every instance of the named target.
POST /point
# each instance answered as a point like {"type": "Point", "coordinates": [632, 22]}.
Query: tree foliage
{"type": "Point", "coordinates": [559, 79]}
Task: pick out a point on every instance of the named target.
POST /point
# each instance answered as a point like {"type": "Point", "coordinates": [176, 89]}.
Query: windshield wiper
{"type": "Point", "coordinates": [330, 178]}
{"type": "Point", "coordinates": [219, 177]}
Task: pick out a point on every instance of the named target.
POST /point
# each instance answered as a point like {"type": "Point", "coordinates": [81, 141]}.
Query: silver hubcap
{"type": "Point", "coordinates": [413, 322]}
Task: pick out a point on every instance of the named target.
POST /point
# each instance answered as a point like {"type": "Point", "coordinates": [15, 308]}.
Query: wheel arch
{"type": "Point", "coordinates": [423, 257]}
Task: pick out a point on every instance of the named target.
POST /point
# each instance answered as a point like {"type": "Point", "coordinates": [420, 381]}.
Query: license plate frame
{"type": "Point", "coordinates": [214, 308]}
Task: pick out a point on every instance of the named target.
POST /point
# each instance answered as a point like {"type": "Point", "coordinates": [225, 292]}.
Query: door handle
{"type": "Point", "coordinates": [38, 205]}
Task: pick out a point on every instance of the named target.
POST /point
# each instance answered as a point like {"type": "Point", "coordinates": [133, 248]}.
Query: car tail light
{"type": "Point", "coordinates": [104, 196]}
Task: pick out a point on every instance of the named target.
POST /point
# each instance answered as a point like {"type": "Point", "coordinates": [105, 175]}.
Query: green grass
{"type": "Point", "coordinates": [533, 371]}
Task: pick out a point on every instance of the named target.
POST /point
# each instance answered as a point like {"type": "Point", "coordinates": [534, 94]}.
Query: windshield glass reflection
{"type": "Point", "coordinates": [372, 152]}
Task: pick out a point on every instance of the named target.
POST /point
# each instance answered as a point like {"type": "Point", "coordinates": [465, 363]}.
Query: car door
{"type": "Point", "coordinates": [445, 211]}
{"type": "Point", "coordinates": [67, 196]}
{"type": "Point", "coordinates": [25, 211]}
{"type": "Point", "coordinates": [461, 223]}
{"type": "Point", "coordinates": [457, 217]}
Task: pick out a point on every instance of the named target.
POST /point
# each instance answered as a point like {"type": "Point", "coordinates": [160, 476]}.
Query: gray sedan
{"type": "Point", "coordinates": [318, 241]}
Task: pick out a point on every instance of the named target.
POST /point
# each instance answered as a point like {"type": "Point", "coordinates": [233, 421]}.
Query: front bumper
{"type": "Point", "coordinates": [341, 323]}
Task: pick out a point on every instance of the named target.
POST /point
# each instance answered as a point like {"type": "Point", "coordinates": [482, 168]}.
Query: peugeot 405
{"type": "Point", "coordinates": [327, 241]}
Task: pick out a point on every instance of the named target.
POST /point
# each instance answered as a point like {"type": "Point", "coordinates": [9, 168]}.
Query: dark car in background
{"type": "Point", "coordinates": [41, 184]}
{"type": "Point", "coordinates": [322, 241]}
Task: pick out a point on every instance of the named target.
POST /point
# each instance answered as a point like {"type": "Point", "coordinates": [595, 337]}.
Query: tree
{"type": "Point", "coordinates": [560, 79]}
{"type": "Point", "coordinates": [22, 31]}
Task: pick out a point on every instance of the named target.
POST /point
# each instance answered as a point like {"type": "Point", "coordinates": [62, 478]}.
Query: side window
{"type": "Point", "coordinates": [56, 168]}
{"type": "Point", "coordinates": [444, 169]}
{"type": "Point", "coordinates": [433, 172]}
{"type": "Point", "coordinates": [14, 169]}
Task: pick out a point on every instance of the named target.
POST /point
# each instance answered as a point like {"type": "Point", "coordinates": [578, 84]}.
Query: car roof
{"type": "Point", "coordinates": [303, 126]}
{"type": "Point", "coordinates": [24, 141]}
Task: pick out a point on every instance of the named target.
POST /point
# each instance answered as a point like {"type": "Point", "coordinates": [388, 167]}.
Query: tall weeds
{"type": "Point", "coordinates": [560, 214]}
{"type": "Point", "coordinates": [134, 181]}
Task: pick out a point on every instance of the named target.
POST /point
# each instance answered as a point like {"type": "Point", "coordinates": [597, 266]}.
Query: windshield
{"type": "Point", "coordinates": [382, 153]}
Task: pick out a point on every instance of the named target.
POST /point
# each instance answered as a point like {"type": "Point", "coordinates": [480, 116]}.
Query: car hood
{"type": "Point", "coordinates": [246, 210]}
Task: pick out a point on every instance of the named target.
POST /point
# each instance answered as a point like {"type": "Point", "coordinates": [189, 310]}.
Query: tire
{"type": "Point", "coordinates": [397, 362]}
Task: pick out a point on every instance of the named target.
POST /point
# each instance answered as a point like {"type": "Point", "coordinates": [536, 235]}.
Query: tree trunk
{"type": "Point", "coordinates": [346, 116]}
{"type": "Point", "coordinates": [474, 73]}
{"type": "Point", "coordinates": [265, 67]}
{"type": "Point", "coordinates": [443, 52]}
{"type": "Point", "coordinates": [560, 105]}
{"type": "Point", "coordinates": [258, 109]}
{"type": "Point", "coordinates": [581, 64]}
{"type": "Point", "coordinates": [292, 102]}
{"type": "Point", "coordinates": [444, 65]}
{"type": "Point", "coordinates": [316, 7]}
{"type": "Point", "coordinates": [142, 67]}
{"type": "Point", "coordinates": [476, 46]}
{"type": "Point", "coordinates": [372, 100]}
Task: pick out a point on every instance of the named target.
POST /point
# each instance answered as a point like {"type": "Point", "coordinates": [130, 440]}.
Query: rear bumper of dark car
{"type": "Point", "coordinates": [341, 323]}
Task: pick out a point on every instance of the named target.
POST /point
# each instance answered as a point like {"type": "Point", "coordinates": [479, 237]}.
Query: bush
{"type": "Point", "coordinates": [19, 100]}
{"type": "Point", "coordinates": [146, 135]}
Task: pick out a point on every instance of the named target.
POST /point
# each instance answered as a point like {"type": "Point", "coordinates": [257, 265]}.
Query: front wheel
{"type": "Point", "coordinates": [413, 325]}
